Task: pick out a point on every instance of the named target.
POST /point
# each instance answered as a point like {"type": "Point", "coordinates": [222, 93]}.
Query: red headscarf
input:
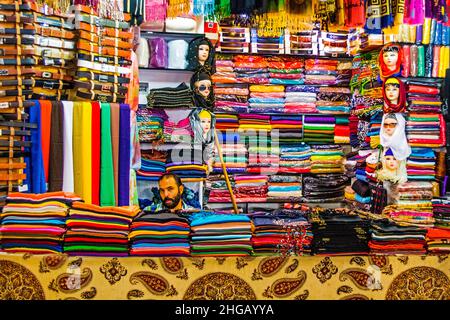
{"type": "Point", "coordinates": [384, 71]}
{"type": "Point", "coordinates": [389, 107]}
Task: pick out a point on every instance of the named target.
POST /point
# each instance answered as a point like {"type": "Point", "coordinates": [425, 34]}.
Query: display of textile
{"type": "Point", "coordinates": [338, 232]}
{"type": "Point", "coordinates": [324, 187]}
{"type": "Point", "coordinates": [438, 240]}
{"type": "Point", "coordinates": [159, 234]}
{"type": "Point", "coordinates": [284, 188]}
{"type": "Point", "coordinates": [425, 130]}
{"type": "Point", "coordinates": [319, 129]}
{"type": "Point", "coordinates": [98, 231]}
{"type": "Point", "coordinates": [215, 234]}
{"type": "Point", "coordinates": [35, 223]}
{"type": "Point", "coordinates": [178, 97]}
{"type": "Point", "coordinates": [150, 124]}
{"type": "Point", "coordinates": [421, 164]}
{"type": "Point", "coordinates": [327, 159]}
{"type": "Point", "coordinates": [282, 232]}
{"type": "Point", "coordinates": [295, 158]}
{"type": "Point", "coordinates": [423, 97]}
{"type": "Point", "coordinates": [441, 212]}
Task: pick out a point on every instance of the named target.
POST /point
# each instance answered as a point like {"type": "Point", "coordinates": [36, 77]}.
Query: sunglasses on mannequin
{"type": "Point", "coordinates": [390, 125]}
{"type": "Point", "coordinates": [203, 87]}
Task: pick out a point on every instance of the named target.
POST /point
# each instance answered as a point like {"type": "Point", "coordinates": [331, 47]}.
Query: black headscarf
{"type": "Point", "coordinates": [192, 56]}
{"type": "Point", "coordinates": [199, 100]}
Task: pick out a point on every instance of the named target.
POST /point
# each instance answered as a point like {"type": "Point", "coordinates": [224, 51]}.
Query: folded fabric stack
{"type": "Point", "coordinates": [414, 205]}
{"type": "Point", "coordinates": [226, 121]}
{"type": "Point", "coordinates": [339, 232]}
{"type": "Point", "coordinates": [362, 195]}
{"type": "Point", "coordinates": [159, 234]}
{"type": "Point", "coordinates": [342, 130]}
{"type": "Point", "coordinates": [373, 136]}
{"type": "Point", "coordinates": [178, 132]}
{"type": "Point", "coordinates": [424, 130]}
{"type": "Point", "coordinates": [333, 100]}
{"type": "Point", "coordinates": [327, 72]}
{"type": "Point", "coordinates": [218, 191]}
{"type": "Point", "coordinates": [231, 98]}
{"type": "Point", "coordinates": [55, 52]}
{"type": "Point", "coordinates": [333, 43]}
{"type": "Point", "coordinates": [284, 188]}
{"type": "Point", "coordinates": [104, 46]}
{"type": "Point", "coordinates": [288, 128]}
{"type": "Point", "coordinates": [179, 97]}
{"type": "Point", "coordinates": [254, 123]}
{"type": "Point", "coordinates": [251, 188]}
{"type": "Point", "coordinates": [263, 158]}
{"type": "Point", "coordinates": [282, 232]}
{"type": "Point", "coordinates": [388, 237]}
{"type": "Point", "coordinates": [187, 169]}
{"type": "Point", "coordinates": [153, 165]}
{"type": "Point", "coordinates": [424, 97]}
{"type": "Point", "coordinates": [266, 99]}
{"type": "Point", "coordinates": [319, 129]}
{"type": "Point", "coordinates": [35, 223]}
{"type": "Point", "coordinates": [98, 231]}
{"type": "Point", "coordinates": [251, 69]}
{"type": "Point", "coordinates": [353, 128]}
{"type": "Point", "coordinates": [234, 156]}
{"type": "Point", "coordinates": [303, 42]}
{"type": "Point", "coordinates": [215, 234]}
{"type": "Point", "coordinates": [301, 99]}
{"type": "Point", "coordinates": [372, 163]}
{"type": "Point", "coordinates": [438, 240]}
{"type": "Point", "coordinates": [325, 187]}
{"type": "Point", "coordinates": [150, 124]}
{"type": "Point", "coordinates": [224, 71]}
{"type": "Point", "coordinates": [421, 164]}
{"type": "Point", "coordinates": [361, 167]}
{"type": "Point", "coordinates": [285, 70]}
{"type": "Point", "coordinates": [441, 212]}
{"type": "Point", "coordinates": [295, 158]}
{"type": "Point", "coordinates": [327, 159]}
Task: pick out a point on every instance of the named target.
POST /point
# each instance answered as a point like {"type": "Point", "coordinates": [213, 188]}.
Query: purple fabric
{"type": "Point", "coordinates": [302, 88]}
{"type": "Point", "coordinates": [419, 33]}
{"type": "Point", "coordinates": [124, 155]}
{"type": "Point", "coordinates": [254, 116]}
{"type": "Point", "coordinates": [159, 55]}
{"type": "Point", "coordinates": [309, 119]}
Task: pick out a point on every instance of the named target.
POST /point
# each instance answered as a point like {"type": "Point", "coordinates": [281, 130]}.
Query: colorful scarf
{"type": "Point", "coordinates": [203, 7]}
{"type": "Point", "coordinates": [378, 16]}
{"type": "Point", "coordinates": [155, 10]}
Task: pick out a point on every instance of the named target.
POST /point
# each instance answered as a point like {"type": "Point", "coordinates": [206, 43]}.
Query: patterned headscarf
{"type": "Point", "coordinates": [192, 55]}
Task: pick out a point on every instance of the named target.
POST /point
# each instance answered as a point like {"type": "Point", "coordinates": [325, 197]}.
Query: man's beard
{"type": "Point", "coordinates": [173, 203]}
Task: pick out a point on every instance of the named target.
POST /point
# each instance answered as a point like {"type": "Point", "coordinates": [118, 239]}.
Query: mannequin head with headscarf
{"type": "Point", "coordinates": [393, 170]}
{"type": "Point", "coordinates": [394, 95]}
{"type": "Point", "coordinates": [201, 85]}
{"type": "Point", "coordinates": [393, 135]}
{"type": "Point", "coordinates": [201, 54]}
{"type": "Point", "coordinates": [390, 60]}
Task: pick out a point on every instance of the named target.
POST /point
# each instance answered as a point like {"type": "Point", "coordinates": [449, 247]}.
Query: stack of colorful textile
{"type": "Point", "coordinates": [285, 71]}
{"type": "Point", "coordinates": [326, 72]}
{"type": "Point", "coordinates": [361, 167]}
{"type": "Point", "coordinates": [159, 234]}
{"type": "Point", "coordinates": [35, 223]}
{"type": "Point", "coordinates": [187, 169]}
{"type": "Point", "coordinates": [218, 191]}
{"type": "Point", "coordinates": [319, 129]}
{"type": "Point", "coordinates": [284, 188]}
{"type": "Point", "coordinates": [231, 98]}
{"type": "Point", "coordinates": [234, 156]}
{"type": "Point", "coordinates": [215, 234]}
{"type": "Point", "coordinates": [301, 99]}
{"type": "Point", "coordinates": [372, 162]}
{"type": "Point", "coordinates": [441, 212]}
{"type": "Point", "coordinates": [251, 69]}
{"type": "Point", "coordinates": [98, 231]}
{"type": "Point", "coordinates": [168, 97]}
{"type": "Point", "coordinates": [333, 43]}
{"type": "Point", "coordinates": [421, 164]}
{"type": "Point", "coordinates": [287, 128]}
{"type": "Point", "coordinates": [413, 206]}
{"type": "Point", "coordinates": [251, 188]}
{"type": "Point", "coordinates": [424, 97]}
{"type": "Point", "coordinates": [337, 231]}
{"type": "Point", "coordinates": [342, 130]}
{"type": "Point", "coordinates": [327, 159]}
{"type": "Point", "coordinates": [178, 132]}
{"type": "Point", "coordinates": [388, 237]}
{"type": "Point", "coordinates": [226, 121]}
{"type": "Point", "coordinates": [150, 124]}
{"type": "Point", "coordinates": [266, 99]}
{"type": "Point", "coordinates": [282, 232]}
{"type": "Point", "coordinates": [333, 100]}
{"type": "Point", "coordinates": [373, 136]}
{"type": "Point", "coordinates": [295, 158]}
{"type": "Point", "coordinates": [425, 130]}
{"type": "Point", "coordinates": [224, 71]}
{"type": "Point", "coordinates": [353, 128]}
{"type": "Point", "coordinates": [362, 195]}
{"type": "Point", "coordinates": [325, 187]}
{"type": "Point", "coordinates": [254, 123]}
{"type": "Point", "coordinates": [153, 165]}
{"type": "Point", "coordinates": [438, 240]}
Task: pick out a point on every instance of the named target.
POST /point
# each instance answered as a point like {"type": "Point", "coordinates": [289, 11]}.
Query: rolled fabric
{"type": "Point", "coordinates": [444, 57]}
{"type": "Point", "coordinates": [35, 165]}
{"type": "Point", "coordinates": [46, 116]}
{"type": "Point", "coordinates": [426, 31]}
{"type": "Point", "coordinates": [412, 34]}
{"type": "Point", "coordinates": [413, 61]}
{"type": "Point", "coordinates": [406, 61]}
{"type": "Point", "coordinates": [438, 34]}
{"type": "Point", "coordinates": [436, 56]}
{"type": "Point", "coordinates": [446, 35]}
{"type": "Point", "coordinates": [96, 146]}
{"type": "Point", "coordinates": [440, 164]}
{"type": "Point", "coordinates": [432, 31]}
{"type": "Point", "coordinates": [420, 61]}
{"type": "Point", "coordinates": [124, 155]}
{"type": "Point", "coordinates": [419, 34]}
{"type": "Point", "coordinates": [429, 61]}
{"type": "Point", "coordinates": [159, 53]}
{"type": "Point", "coordinates": [143, 53]}
{"type": "Point", "coordinates": [68, 185]}
{"type": "Point", "coordinates": [177, 54]}
{"type": "Point", "coordinates": [107, 195]}
{"type": "Point", "coordinates": [115, 134]}
{"type": "Point", "coordinates": [55, 172]}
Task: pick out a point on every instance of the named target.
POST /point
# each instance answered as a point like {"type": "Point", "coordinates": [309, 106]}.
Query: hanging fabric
{"type": "Point", "coordinates": [46, 117]}
{"type": "Point", "coordinates": [124, 156]}
{"type": "Point", "coordinates": [35, 164]}
{"type": "Point", "coordinates": [68, 183]}
{"type": "Point", "coordinates": [203, 7]}
{"type": "Point", "coordinates": [107, 195]}
{"type": "Point", "coordinates": [55, 174]}
{"type": "Point", "coordinates": [155, 10]}
{"type": "Point", "coordinates": [96, 153]}
{"type": "Point", "coordinates": [115, 135]}
{"type": "Point", "coordinates": [177, 8]}
{"type": "Point", "coordinates": [378, 16]}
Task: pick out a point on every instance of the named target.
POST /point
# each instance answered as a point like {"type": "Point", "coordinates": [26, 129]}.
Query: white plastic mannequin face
{"type": "Point", "coordinates": [206, 125]}
{"type": "Point", "coordinates": [203, 87]}
{"type": "Point", "coordinates": [390, 59]}
{"type": "Point", "coordinates": [389, 126]}
{"type": "Point", "coordinates": [203, 53]}
{"type": "Point", "coordinates": [391, 163]}
{"type": "Point", "coordinates": [392, 93]}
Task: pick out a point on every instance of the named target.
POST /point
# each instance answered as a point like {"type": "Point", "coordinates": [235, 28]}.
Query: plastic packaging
{"type": "Point", "coordinates": [406, 61]}
{"type": "Point", "coordinates": [436, 57]}
{"type": "Point", "coordinates": [413, 61]}
{"type": "Point", "coordinates": [426, 31]}
{"type": "Point", "coordinates": [143, 53]}
{"type": "Point", "coordinates": [177, 54]}
{"type": "Point", "coordinates": [420, 61]}
{"type": "Point", "coordinates": [158, 47]}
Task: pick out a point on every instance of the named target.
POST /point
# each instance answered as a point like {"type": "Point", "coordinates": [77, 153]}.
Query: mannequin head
{"type": "Point", "coordinates": [390, 60]}
{"type": "Point", "coordinates": [203, 52]}
{"type": "Point", "coordinates": [390, 124]}
{"type": "Point", "coordinates": [393, 170]}
{"type": "Point", "coordinates": [205, 121]}
{"type": "Point", "coordinates": [203, 85]}
{"type": "Point", "coordinates": [391, 57]}
{"type": "Point", "coordinates": [201, 55]}
{"type": "Point", "coordinates": [394, 95]}
{"type": "Point", "coordinates": [392, 90]}
{"type": "Point", "coordinates": [390, 163]}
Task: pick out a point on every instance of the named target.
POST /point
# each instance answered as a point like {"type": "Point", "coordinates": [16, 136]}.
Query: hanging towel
{"type": "Point", "coordinates": [46, 117]}
{"type": "Point", "coordinates": [96, 153]}
{"type": "Point", "coordinates": [124, 155]}
{"type": "Point", "coordinates": [68, 183]}
{"type": "Point", "coordinates": [115, 133]}
{"type": "Point", "coordinates": [107, 196]}
{"type": "Point", "coordinates": [55, 174]}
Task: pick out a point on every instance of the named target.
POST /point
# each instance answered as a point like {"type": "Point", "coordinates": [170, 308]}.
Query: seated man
{"type": "Point", "coordinates": [171, 190]}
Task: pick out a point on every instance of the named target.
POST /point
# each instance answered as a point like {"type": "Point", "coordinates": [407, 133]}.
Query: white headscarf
{"type": "Point", "coordinates": [397, 142]}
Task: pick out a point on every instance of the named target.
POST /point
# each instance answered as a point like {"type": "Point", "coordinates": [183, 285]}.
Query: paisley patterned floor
{"type": "Point", "coordinates": [345, 277]}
